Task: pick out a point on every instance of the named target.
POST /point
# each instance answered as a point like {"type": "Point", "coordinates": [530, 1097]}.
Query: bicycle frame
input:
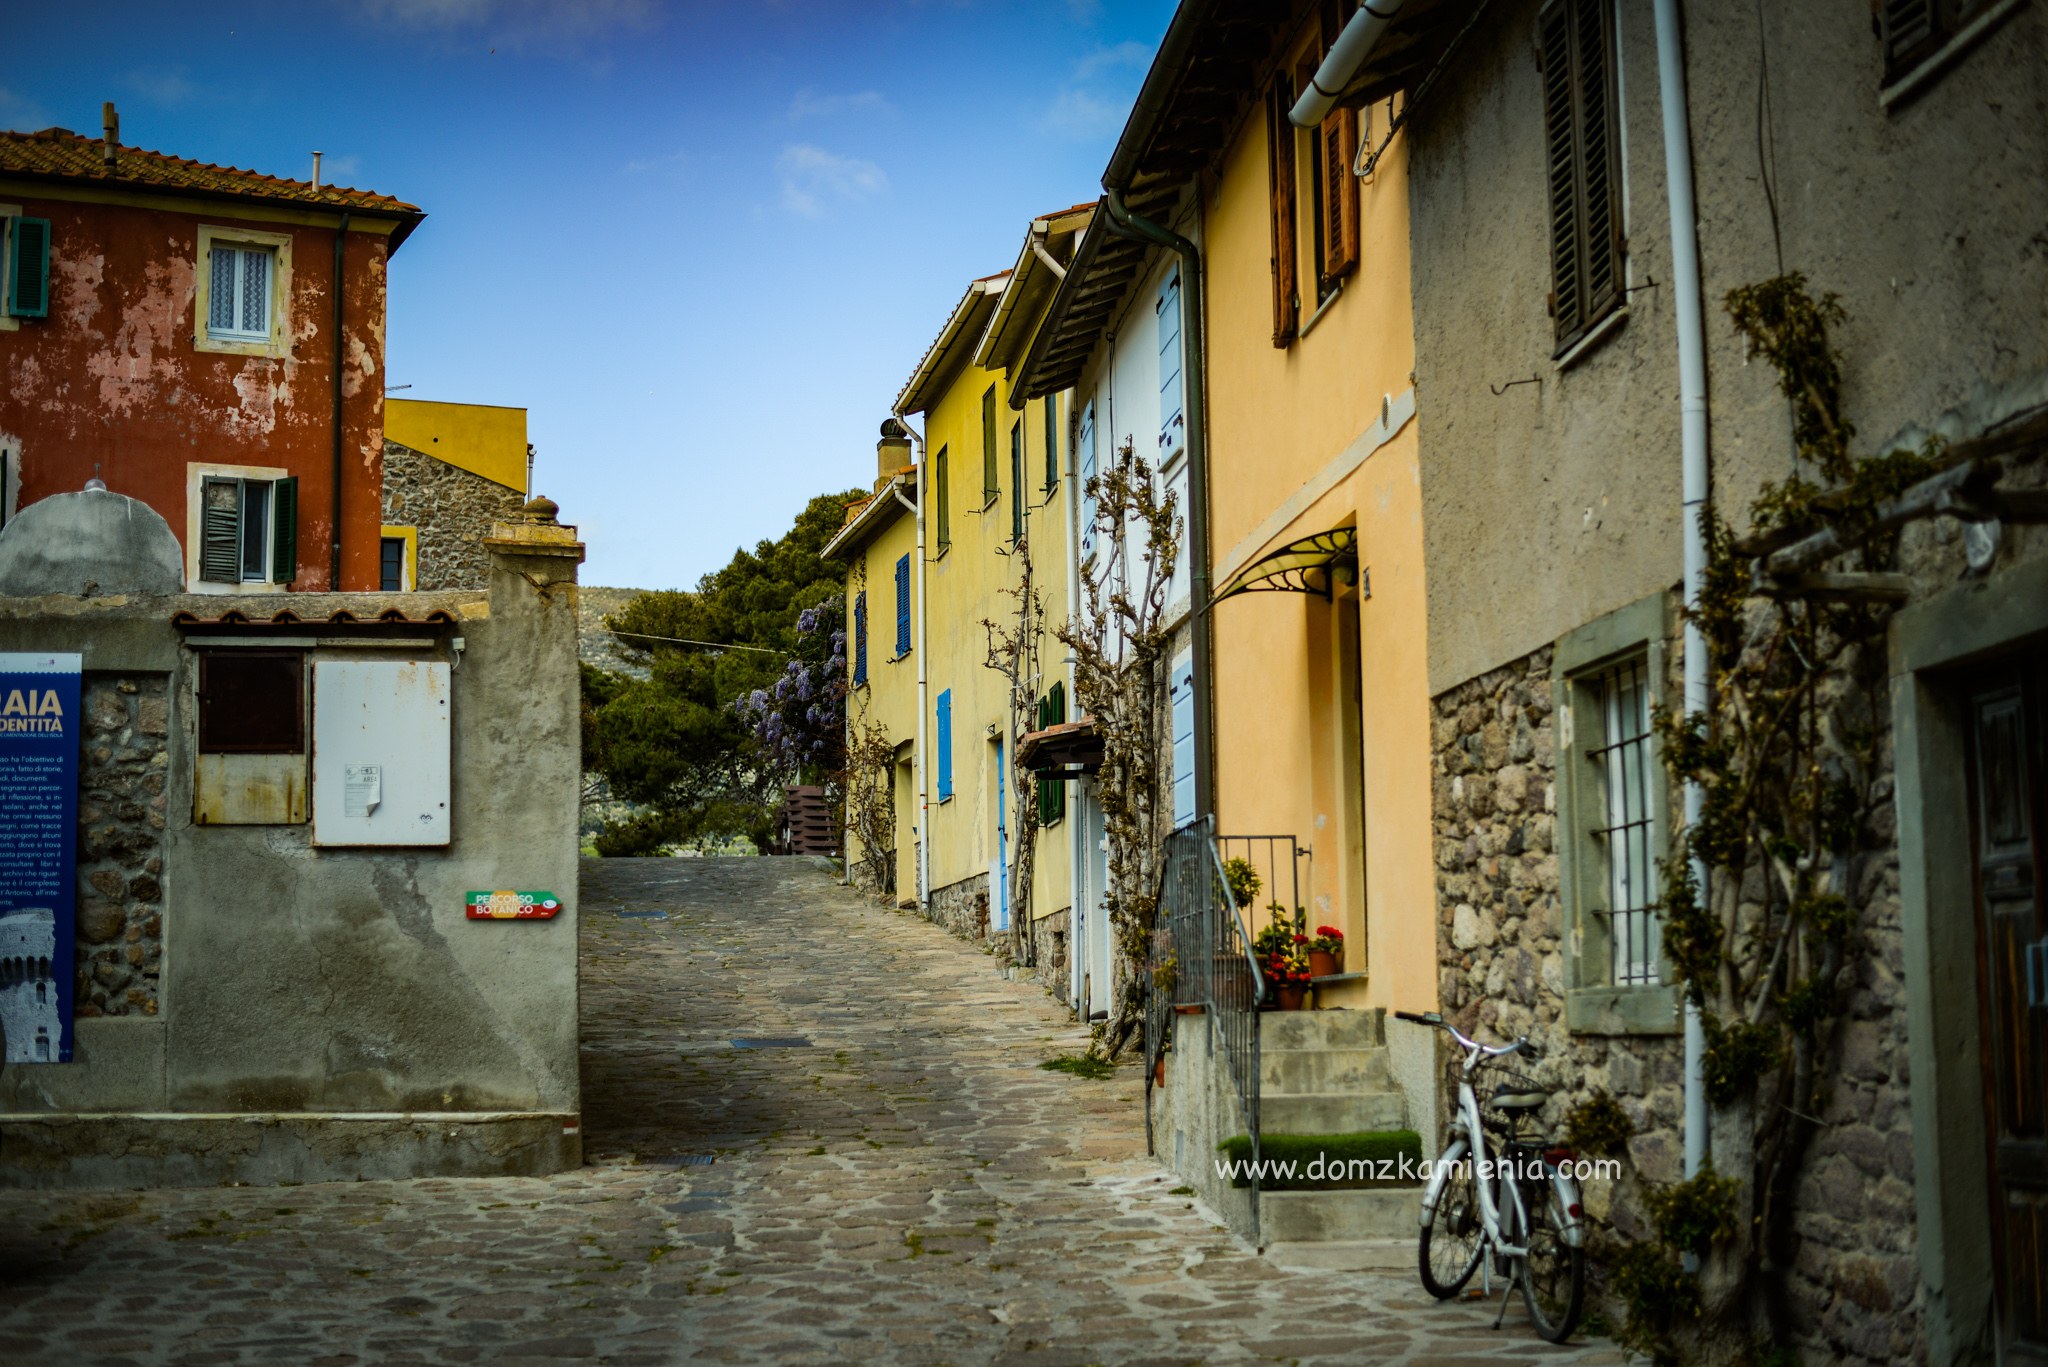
{"type": "Point", "coordinates": [1489, 1172]}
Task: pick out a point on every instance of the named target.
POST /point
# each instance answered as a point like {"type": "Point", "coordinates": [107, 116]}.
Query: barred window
{"type": "Point", "coordinates": [1625, 834]}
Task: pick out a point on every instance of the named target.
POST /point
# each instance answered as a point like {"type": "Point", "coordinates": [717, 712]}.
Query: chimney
{"type": "Point", "coordinates": [110, 127]}
{"type": "Point", "coordinates": [316, 168]}
{"type": "Point", "coordinates": [892, 452]}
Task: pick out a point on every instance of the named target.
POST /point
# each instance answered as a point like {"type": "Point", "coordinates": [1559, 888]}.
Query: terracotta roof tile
{"type": "Point", "coordinates": [61, 154]}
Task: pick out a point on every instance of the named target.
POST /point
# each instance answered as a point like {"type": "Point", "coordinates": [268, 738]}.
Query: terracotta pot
{"type": "Point", "coordinates": [1292, 996]}
{"type": "Point", "coordinates": [1323, 964]}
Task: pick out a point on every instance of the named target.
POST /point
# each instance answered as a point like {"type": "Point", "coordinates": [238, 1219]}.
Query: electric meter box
{"type": "Point", "coordinates": [381, 733]}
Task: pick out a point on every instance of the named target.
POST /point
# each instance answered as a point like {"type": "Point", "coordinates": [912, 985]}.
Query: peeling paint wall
{"type": "Point", "coordinates": [113, 382]}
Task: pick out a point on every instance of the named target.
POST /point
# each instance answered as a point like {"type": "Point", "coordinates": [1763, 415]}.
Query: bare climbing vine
{"type": "Point", "coordinates": [1791, 756]}
{"type": "Point", "coordinates": [868, 782]}
{"type": "Point", "coordinates": [1013, 652]}
{"type": "Point", "coordinates": [1119, 640]}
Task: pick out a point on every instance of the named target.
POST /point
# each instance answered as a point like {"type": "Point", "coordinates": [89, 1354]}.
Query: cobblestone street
{"type": "Point", "coordinates": [895, 1180]}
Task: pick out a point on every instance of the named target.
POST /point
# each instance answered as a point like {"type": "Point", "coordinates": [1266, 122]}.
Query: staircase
{"type": "Point", "coordinates": [1326, 1073]}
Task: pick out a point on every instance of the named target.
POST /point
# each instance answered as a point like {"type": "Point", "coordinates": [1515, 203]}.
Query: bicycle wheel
{"type": "Point", "coordinates": [1554, 1273]}
{"type": "Point", "coordinates": [1449, 1250]}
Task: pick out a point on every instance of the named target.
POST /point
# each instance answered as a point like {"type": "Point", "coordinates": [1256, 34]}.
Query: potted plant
{"type": "Point", "coordinates": [1242, 880]}
{"type": "Point", "coordinates": [1326, 952]}
{"type": "Point", "coordinates": [1290, 976]}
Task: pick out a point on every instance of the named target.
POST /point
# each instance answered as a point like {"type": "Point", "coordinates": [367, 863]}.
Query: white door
{"type": "Point", "coordinates": [1095, 836]}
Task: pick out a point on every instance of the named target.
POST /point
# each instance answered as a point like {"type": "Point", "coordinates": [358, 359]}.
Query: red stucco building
{"type": "Point", "coordinates": [207, 340]}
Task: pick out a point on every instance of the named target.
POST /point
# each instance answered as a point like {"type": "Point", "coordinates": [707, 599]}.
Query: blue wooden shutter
{"type": "Point", "coordinates": [28, 268]}
{"type": "Point", "coordinates": [1183, 696]}
{"type": "Point", "coordinates": [903, 607]}
{"type": "Point", "coordinates": [860, 638]}
{"type": "Point", "coordinates": [1087, 458]}
{"type": "Point", "coordinates": [1172, 420]}
{"type": "Point", "coordinates": [945, 744]}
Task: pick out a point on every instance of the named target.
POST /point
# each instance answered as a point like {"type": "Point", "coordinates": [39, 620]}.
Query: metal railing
{"type": "Point", "coordinates": [1277, 860]}
{"type": "Point", "coordinates": [1202, 956]}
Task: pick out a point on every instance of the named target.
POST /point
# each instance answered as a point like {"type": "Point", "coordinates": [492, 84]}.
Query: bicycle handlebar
{"type": "Point", "coordinates": [1524, 1045]}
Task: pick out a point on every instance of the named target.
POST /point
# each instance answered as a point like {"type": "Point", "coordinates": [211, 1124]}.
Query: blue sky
{"type": "Point", "coordinates": [702, 243]}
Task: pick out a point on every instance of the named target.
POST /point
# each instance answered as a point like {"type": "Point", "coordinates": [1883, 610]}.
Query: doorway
{"type": "Point", "coordinates": [2006, 726]}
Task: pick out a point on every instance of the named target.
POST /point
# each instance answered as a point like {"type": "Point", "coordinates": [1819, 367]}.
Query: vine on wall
{"type": "Point", "coordinates": [1120, 642]}
{"type": "Point", "coordinates": [1791, 757]}
{"type": "Point", "coordinates": [1013, 653]}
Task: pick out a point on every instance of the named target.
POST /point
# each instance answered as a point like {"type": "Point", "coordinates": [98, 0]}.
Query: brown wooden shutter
{"type": "Point", "coordinates": [1280, 168]}
{"type": "Point", "coordinates": [1912, 30]}
{"type": "Point", "coordinates": [1575, 40]}
{"type": "Point", "coordinates": [1339, 144]}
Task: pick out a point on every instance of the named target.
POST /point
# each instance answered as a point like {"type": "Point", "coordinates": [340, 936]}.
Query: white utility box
{"type": "Point", "coordinates": [380, 752]}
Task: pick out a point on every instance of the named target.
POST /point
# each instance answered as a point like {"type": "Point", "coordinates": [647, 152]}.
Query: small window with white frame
{"type": "Point", "coordinates": [1613, 820]}
{"type": "Point", "coordinates": [243, 283]}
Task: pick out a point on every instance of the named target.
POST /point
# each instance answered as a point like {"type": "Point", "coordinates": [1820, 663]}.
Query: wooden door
{"type": "Point", "coordinates": [2008, 741]}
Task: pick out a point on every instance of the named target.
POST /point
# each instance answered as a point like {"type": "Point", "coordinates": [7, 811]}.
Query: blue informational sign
{"type": "Point", "coordinates": [39, 753]}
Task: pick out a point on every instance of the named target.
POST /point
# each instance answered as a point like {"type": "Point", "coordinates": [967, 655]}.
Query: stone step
{"type": "Point", "coordinates": [1289, 1113]}
{"type": "Point", "coordinates": [1324, 1217]}
{"type": "Point", "coordinates": [1323, 1071]}
{"type": "Point", "coordinates": [1322, 1029]}
{"type": "Point", "coordinates": [1393, 1256]}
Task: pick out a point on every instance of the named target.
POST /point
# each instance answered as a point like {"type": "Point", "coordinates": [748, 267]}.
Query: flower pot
{"type": "Point", "coordinates": [1323, 964]}
{"type": "Point", "coordinates": [1292, 996]}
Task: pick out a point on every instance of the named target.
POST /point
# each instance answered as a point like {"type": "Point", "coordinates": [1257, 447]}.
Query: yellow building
{"type": "Point", "coordinates": [451, 471]}
{"type": "Point", "coordinates": [993, 485]}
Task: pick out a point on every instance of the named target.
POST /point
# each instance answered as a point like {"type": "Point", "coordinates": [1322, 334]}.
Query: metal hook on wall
{"type": "Point", "coordinates": [1500, 389]}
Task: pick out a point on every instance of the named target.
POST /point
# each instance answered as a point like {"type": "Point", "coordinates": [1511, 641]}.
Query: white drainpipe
{"type": "Point", "coordinates": [1692, 403]}
{"type": "Point", "coordinates": [1077, 836]}
{"type": "Point", "coordinates": [1346, 55]}
{"type": "Point", "coordinates": [917, 744]}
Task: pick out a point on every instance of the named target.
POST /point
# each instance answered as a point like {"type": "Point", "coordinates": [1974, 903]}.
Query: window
{"type": "Point", "coordinates": [391, 564]}
{"type": "Point", "coordinates": [943, 742]}
{"type": "Point", "coordinates": [248, 530]}
{"type": "Point", "coordinates": [1052, 442]}
{"type": "Point", "coordinates": [942, 501]}
{"type": "Point", "coordinates": [238, 295]}
{"type": "Point", "coordinates": [991, 483]}
{"type": "Point", "coordinates": [1173, 425]}
{"type": "Point", "coordinates": [1182, 697]}
{"type": "Point", "coordinates": [1310, 183]}
{"type": "Point", "coordinates": [252, 702]}
{"type": "Point", "coordinates": [860, 638]}
{"type": "Point", "coordinates": [1613, 821]}
{"type": "Point", "coordinates": [1020, 497]}
{"type": "Point", "coordinates": [902, 607]}
{"type": "Point", "coordinates": [243, 279]}
{"type": "Point", "coordinates": [1624, 834]}
{"type": "Point", "coordinates": [1576, 48]}
{"type": "Point", "coordinates": [27, 279]}
{"type": "Point", "coordinates": [1928, 32]}
{"type": "Point", "coordinates": [1052, 792]}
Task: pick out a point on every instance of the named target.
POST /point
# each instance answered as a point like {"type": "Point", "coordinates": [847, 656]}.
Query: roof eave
{"type": "Point", "coordinates": [937, 362]}
{"type": "Point", "coordinates": [872, 520]}
{"type": "Point", "coordinates": [406, 219]}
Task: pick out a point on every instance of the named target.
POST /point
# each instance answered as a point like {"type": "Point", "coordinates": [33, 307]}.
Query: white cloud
{"type": "Point", "coordinates": [1096, 101]}
{"type": "Point", "coordinates": [811, 177]}
{"type": "Point", "coordinates": [808, 104]}
{"type": "Point", "coordinates": [166, 86]}
{"type": "Point", "coordinates": [20, 114]}
{"type": "Point", "coordinates": [517, 23]}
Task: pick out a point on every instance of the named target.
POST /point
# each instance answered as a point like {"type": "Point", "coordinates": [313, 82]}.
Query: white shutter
{"type": "Point", "coordinates": [1183, 700]}
{"type": "Point", "coordinates": [1173, 427]}
{"type": "Point", "coordinates": [1087, 442]}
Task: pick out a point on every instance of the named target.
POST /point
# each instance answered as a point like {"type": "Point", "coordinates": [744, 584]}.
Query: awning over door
{"type": "Point", "coordinates": [1314, 564]}
{"type": "Point", "coordinates": [1062, 750]}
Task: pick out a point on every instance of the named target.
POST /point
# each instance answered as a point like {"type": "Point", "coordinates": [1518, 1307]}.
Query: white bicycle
{"type": "Point", "coordinates": [1514, 1196]}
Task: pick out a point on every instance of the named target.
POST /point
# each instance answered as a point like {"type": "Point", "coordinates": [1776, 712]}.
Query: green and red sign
{"type": "Point", "coordinates": [513, 906]}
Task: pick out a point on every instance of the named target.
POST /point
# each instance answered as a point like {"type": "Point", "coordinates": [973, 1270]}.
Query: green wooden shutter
{"type": "Point", "coordinates": [991, 482]}
{"type": "Point", "coordinates": [220, 531]}
{"type": "Point", "coordinates": [1052, 442]}
{"type": "Point", "coordinates": [942, 500]}
{"type": "Point", "coordinates": [28, 268]}
{"type": "Point", "coordinates": [284, 531]}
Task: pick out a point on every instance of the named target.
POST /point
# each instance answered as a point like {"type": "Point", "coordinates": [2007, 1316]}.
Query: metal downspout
{"type": "Point", "coordinates": [1692, 399]}
{"type": "Point", "coordinates": [1077, 838]}
{"type": "Point", "coordinates": [1195, 402]}
{"type": "Point", "coordinates": [917, 746]}
{"type": "Point", "coordinates": [340, 356]}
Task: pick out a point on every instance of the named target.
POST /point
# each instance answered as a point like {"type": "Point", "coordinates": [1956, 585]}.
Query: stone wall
{"type": "Point", "coordinates": [453, 510]}
{"type": "Point", "coordinates": [1855, 1277]}
{"type": "Point", "coordinates": [1049, 940]}
{"type": "Point", "coordinates": [120, 843]}
{"type": "Point", "coordinates": [961, 907]}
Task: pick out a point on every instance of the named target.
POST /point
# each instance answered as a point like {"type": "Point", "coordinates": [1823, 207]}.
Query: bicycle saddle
{"type": "Point", "coordinates": [1505, 1100]}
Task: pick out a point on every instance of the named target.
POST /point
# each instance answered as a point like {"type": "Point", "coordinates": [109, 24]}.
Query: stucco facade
{"type": "Point", "coordinates": [123, 380]}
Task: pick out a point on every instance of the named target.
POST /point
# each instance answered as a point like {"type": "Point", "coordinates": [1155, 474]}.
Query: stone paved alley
{"type": "Point", "coordinates": [910, 1188]}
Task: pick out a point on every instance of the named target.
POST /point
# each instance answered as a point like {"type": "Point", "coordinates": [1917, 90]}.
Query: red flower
{"type": "Point", "coordinates": [1329, 933]}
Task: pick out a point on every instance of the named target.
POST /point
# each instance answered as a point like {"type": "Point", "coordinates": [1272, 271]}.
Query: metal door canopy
{"type": "Point", "coordinates": [380, 752]}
